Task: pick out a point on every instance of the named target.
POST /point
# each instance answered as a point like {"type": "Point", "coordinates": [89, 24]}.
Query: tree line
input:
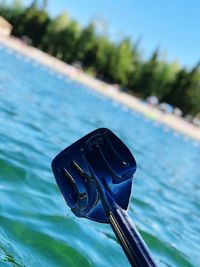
{"type": "Point", "coordinates": [114, 62]}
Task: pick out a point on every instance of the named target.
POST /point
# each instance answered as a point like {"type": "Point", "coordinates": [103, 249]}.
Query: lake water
{"type": "Point", "coordinates": [42, 112]}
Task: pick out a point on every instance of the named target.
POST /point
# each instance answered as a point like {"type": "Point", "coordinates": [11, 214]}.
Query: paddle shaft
{"type": "Point", "coordinates": [130, 239]}
{"type": "Point", "coordinates": [127, 234]}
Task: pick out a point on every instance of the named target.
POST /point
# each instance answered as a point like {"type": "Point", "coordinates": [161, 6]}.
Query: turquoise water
{"type": "Point", "coordinates": [42, 112]}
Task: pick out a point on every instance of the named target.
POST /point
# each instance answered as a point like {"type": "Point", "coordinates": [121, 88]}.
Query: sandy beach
{"type": "Point", "coordinates": [170, 120]}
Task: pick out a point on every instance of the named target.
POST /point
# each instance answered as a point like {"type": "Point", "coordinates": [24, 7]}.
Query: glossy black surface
{"type": "Point", "coordinates": [95, 175]}
{"type": "Point", "coordinates": [98, 158]}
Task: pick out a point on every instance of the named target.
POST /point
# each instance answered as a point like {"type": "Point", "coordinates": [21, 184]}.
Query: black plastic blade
{"type": "Point", "coordinates": [101, 157]}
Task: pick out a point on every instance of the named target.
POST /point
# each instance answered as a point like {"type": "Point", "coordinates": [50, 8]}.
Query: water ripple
{"type": "Point", "coordinates": [41, 113]}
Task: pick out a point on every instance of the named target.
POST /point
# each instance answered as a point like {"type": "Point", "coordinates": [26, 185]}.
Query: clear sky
{"type": "Point", "coordinates": [173, 25]}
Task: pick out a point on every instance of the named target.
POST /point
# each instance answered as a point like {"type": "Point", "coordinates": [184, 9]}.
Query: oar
{"type": "Point", "coordinates": [95, 176]}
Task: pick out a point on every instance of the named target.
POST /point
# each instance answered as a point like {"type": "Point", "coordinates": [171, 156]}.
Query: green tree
{"type": "Point", "coordinates": [85, 45]}
{"type": "Point", "coordinates": [53, 34]}
{"type": "Point", "coordinates": [13, 13]}
{"type": "Point", "coordinates": [103, 49]}
{"type": "Point", "coordinates": [185, 91]}
{"type": "Point", "coordinates": [193, 93]}
{"type": "Point", "coordinates": [121, 62]}
{"type": "Point", "coordinates": [70, 37]}
{"type": "Point", "coordinates": [146, 78]}
{"type": "Point", "coordinates": [163, 77]}
{"type": "Point", "coordinates": [32, 23]}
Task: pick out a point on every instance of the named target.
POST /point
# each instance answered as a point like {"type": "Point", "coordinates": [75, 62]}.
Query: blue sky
{"type": "Point", "coordinates": [173, 25]}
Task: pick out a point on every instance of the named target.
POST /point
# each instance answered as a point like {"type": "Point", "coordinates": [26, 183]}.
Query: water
{"type": "Point", "coordinates": [41, 113]}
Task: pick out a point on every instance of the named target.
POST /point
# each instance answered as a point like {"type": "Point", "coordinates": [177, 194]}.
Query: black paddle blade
{"type": "Point", "coordinates": [99, 158]}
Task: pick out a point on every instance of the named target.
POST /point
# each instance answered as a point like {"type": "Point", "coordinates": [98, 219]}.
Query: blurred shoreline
{"type": "Point", "coordinates": [170, 120]}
